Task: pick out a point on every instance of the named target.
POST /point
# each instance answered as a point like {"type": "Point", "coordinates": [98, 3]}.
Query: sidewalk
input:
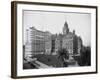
{"type": "Point", "coordinates": [38, 64]}
{"type": "Point", "coordinates": [42, 65]}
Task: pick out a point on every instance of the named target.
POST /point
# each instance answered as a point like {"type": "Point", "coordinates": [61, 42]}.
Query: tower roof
{"type": "Point", "coordinates": [65, 28]}
{"type": "Point", "coordinates": [66, 24]}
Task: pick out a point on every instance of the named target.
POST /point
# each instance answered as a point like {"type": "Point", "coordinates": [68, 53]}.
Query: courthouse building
{"type": "Point", "coordinates": [69, 41]}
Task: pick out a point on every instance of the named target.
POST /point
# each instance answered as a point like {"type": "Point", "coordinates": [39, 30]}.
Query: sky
{"type": "Point", "coordinates": [54, 23]}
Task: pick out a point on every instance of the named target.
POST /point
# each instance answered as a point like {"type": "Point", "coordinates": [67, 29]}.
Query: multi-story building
{"type": "Point", "coordinates": [48, 45]}
{"type": "Point", "coordinates": [45, 42]}
{"type": "Point", "coordinates": [79, 45]}
{"type": "Point", "coordinates": [37, 40]}
{"type": "Point", "coordinates": [68, 40]}
{"type": "Point", "coordinates": [58, 42]}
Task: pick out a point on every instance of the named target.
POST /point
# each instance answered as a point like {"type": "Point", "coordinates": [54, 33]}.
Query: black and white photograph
{"type": "Point", "coordinates": [56, 39]}
{"type": "Point", "coordinates": [53, 39]}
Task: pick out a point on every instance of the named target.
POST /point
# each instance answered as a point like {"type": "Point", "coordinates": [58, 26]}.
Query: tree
{"type": "Point", "coordinates": [85, 58]}
{"type": "Point", "coordinates": [63, 55]}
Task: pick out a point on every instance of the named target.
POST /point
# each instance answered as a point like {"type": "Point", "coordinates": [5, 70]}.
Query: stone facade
{"type": "Point", "coordinates": [69, 41]}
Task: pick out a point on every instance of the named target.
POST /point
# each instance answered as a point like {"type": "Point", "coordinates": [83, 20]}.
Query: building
{"type": "Point", "coordinates": [48, 45]}
{"type": "Point", "coordinates": [79, 45]}
{"type": "Point", "coordinates": [69, 41]}
{"type": "Point", "coordinates": [37, 40]}
{"type": "Point", "coordinates": [58, 42]}
{"type": "Point", "coordinates": [44, 42]}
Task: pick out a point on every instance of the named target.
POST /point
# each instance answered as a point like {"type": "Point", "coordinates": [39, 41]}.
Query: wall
{"type": "Point", "coordinates": [5, 41]}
